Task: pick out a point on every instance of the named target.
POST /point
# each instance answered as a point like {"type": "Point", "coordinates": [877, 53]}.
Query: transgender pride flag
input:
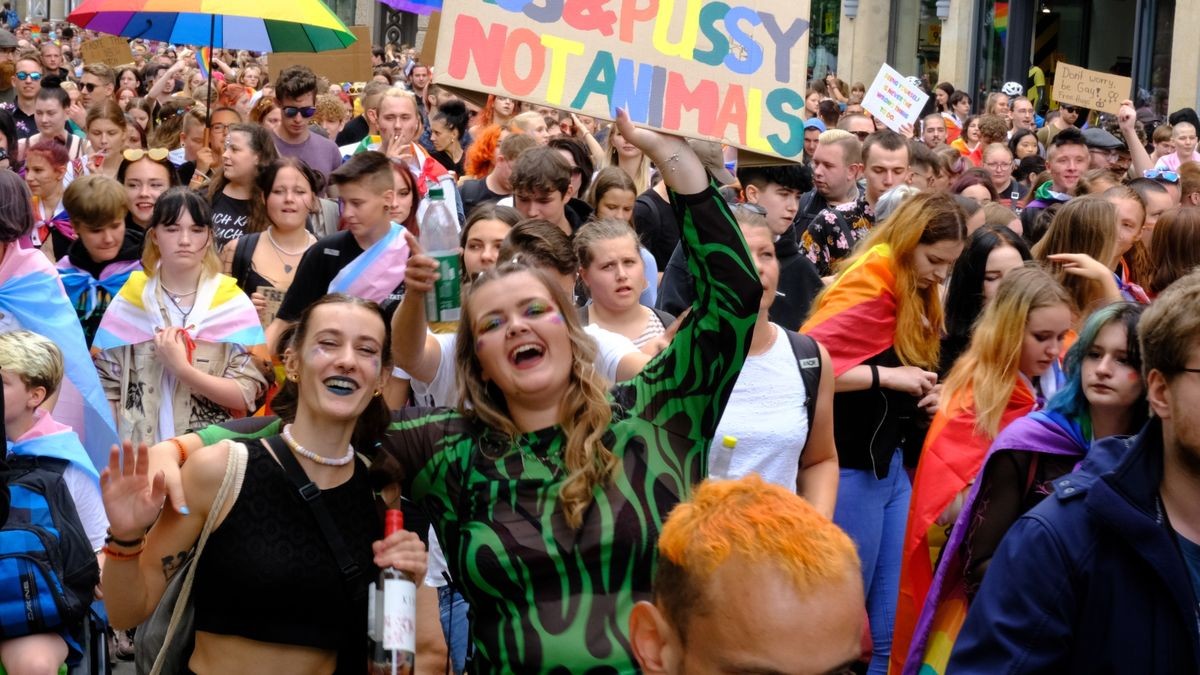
{"type": "Point", "coordinates": [31, 295]}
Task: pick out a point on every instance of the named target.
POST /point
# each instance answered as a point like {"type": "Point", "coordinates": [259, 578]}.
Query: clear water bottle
{"type": "Point", "coordinates": [439, 238]}
{"type": "Point", "coordinates": [392, 615]}
{"type": "Point", "coordinates": [722, 458]}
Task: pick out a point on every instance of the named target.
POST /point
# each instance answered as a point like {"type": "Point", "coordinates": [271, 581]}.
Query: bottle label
{"type": "Point", "coordinates": [445, 302]}
{"type": "Point", "coordinates": [399, 615]}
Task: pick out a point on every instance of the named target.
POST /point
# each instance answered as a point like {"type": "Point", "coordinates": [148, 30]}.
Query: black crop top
{"type": "Point", "coordinates": [267, 573]}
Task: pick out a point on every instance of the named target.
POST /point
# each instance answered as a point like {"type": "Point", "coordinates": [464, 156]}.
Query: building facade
{"type": "Point", "coordinates": [980, 44]}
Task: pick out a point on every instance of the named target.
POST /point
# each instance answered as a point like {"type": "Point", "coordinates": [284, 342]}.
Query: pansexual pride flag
{"type": "Point", "coordinates": [30, 293]}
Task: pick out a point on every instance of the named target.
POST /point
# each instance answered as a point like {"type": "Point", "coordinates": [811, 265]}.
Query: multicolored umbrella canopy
{"type": "Point", "coordinates": [262, 26]}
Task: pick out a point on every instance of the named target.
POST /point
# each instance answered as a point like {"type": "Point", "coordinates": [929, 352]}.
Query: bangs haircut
{"type": "Point", "coordinates": [95, 201]}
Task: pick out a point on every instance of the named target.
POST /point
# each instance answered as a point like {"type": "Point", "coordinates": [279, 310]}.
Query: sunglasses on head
{"type": "Point", "coordinates": [155, 154]}
{"type": "Point", "coordinates": [1156, 174]}
{"type": "Point", "coordinates": [305, 112]}
{"type": "Point", "coordinates": [22, 76]}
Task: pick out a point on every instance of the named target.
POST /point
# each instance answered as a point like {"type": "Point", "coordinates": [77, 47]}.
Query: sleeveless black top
{"type": "Point", "coordinates": [248, 278]}
{"type": "Point", "coordinates": [267, 573]}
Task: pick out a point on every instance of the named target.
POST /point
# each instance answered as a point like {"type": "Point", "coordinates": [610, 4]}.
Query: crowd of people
{"type": "Point", "coordinates": [916, 401]}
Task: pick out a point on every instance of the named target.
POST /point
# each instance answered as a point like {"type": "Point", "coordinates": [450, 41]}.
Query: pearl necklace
{"type": "Point", "coordinates": [309, 454]}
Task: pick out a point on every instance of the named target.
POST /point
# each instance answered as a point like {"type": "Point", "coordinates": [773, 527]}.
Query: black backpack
{"type": "Point", "coordinates": [48, 571]}
{"type": "Point", "coordinates": [808, 359]}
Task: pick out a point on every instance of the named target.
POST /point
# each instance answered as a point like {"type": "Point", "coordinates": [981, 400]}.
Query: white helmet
{"type": "Point", "coordinates": [1012, 89]}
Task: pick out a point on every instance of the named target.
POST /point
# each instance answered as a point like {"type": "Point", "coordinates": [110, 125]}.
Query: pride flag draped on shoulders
{"type": "Point", "coordinates": [376, 273]}
{"type": "Point", "coordinates": [50, 438]}
{"type": "Point", "coordinates": [856, 318]}
{"type": "Point", "coordinates": [32, 297]}
{"type": "Point", "coordinates": [222, 313]}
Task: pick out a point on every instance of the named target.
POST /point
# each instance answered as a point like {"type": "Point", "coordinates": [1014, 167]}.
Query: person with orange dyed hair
{"type": "Point", "coordinates": [481, 155]}
{"type": "Point", "coordinates": [751, 578]}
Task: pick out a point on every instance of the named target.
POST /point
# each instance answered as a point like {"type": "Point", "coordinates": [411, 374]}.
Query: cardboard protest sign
{"type": "Point", "coordinates": [727, 71]}
{"type": "Point", "coordinates": [274, 298]}
{"type": "Point", "coordinates": [110, 50]}
{"type": "Point", "coordinates": [893, 100]}
{"type": "Point", "coordinates": [352, 64]}
{"type": "Point", "coordinates": [1090, 88]}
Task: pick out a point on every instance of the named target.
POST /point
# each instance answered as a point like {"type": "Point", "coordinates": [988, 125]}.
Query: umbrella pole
{"type": "Point", "coordinates": [212, 29]}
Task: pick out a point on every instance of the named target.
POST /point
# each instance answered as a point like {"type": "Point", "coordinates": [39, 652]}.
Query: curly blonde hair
{"type": "Point", "coordinates": [585, 413]}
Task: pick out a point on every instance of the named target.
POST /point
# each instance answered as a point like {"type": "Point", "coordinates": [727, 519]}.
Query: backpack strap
{"type": "Point", "coordinates": [666, 318]}
{"type": "Point", "coordinates": [243, 254]}
{"type": "Point", "coordinates": [808, 359]}
{"type": "Point", "coordinates": [311, 495]}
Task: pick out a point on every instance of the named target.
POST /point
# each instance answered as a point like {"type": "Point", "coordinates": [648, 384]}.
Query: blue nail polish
{"type": "Point", "coordinates": [184, 511]}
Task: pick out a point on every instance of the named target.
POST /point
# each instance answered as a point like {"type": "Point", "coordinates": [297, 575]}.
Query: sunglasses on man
{"type": "Point", "coordinates": [23, 75]}
{"type": "Point", "coordinates": [305, 112]}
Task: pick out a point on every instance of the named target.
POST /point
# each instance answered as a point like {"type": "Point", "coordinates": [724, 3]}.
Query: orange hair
{"type": "Point", "coordinates": [750, 521]}
{"type": "Point", "coordinates": [481, 156]}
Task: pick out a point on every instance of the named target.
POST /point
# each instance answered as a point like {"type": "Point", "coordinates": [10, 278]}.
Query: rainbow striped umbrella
{"type": "Point", "coordinates": [262, 26]}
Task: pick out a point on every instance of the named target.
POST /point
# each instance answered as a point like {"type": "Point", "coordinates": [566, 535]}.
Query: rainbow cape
{"type": "Point", "coordinates": [31, 293]}
{"type": "Point", "coordinates": [375, 273]}
{"type": "Point", "coordinates": [953, 454]}
{"type": "Point", "coordinates": [857, 315]}
{"type": "Point", "coordinates": [1042, 432]}
{"type": "Point", "coordinates": [81, 286]}
{"type": "Point", "coordinates": [222, 313]}
{"type": "Point", "coordinates": [48, 438]}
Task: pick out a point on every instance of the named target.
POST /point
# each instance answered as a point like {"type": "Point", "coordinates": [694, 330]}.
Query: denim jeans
{"type": "Point", "coordinates": [873, 513]}
{"type": "Point", "coordinates": [454, 625]}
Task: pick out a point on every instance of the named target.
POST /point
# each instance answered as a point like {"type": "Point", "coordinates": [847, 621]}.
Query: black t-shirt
{"type": "Point", "coordinates": [476, 192]}
{"type": "Point", "coordinates": [654, 220]}
{"type": "Point", "coordinates": [229, 218]}
{"type": "Point", "coordinates": [354, 131]}
{"type": "Point", "coordinates": [448, 163]}
{"type": "Point", "coordinates": [320, 264]}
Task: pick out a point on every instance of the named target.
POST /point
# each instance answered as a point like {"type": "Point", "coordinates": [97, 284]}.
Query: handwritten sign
{"type": "Point", "coordinates": [727, 71]}
{"type": "Point", "coordinates": [274, 297]}
{"type": "Point", "coordinates": [1090, 88]}
{"type": "Point", "coordinates": [893, 100]}
{"type": "Point", "coordinates": [109, 50]}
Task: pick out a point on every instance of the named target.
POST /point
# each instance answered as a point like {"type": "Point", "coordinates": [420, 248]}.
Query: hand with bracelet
{"type": "Point", "coordinates": [132, 500]}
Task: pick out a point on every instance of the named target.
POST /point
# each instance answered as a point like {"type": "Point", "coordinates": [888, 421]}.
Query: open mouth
{"type": "Point", "coordinates": [340, 386]}
{"type": "Point", "coordinates": [527, 355]}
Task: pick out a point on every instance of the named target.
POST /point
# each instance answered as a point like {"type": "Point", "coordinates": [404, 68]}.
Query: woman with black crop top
{"type": "Point", "coordinates": [267, 256]}
{"type": "Point", "coordinates": [267, 586]}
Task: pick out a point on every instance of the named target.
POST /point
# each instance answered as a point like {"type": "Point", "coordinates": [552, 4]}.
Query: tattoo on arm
{"type": "Point", "coordinates": [172, 563]}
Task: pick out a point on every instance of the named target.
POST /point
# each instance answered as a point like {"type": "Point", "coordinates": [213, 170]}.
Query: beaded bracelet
{"type": "Point", "coordinates": [183, 453]}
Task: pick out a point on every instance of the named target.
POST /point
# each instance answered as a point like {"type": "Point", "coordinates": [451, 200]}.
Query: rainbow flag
{"type": "Point", "coordinates": [424, 7]}
{"type": "Point", "coordinates": [953, 454]}
{"type": "Point", "coordinates": [375, 273]}
{"type": "Point", "coordinates": [204, 61]}
{"type": "Point", "coordinates": [856, 319]}
{"type": "Point", "coordinates": [30, 293]}
{"type": "Point", "coordinates": [222, 313]}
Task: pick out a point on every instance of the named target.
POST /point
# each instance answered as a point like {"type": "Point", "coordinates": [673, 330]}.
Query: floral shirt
{"type": "Point", "coordinates": [25, 124]}
{"type": "Point", "coordinates": [832, 234]}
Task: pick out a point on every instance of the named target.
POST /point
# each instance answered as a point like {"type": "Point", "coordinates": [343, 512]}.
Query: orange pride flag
{"type": "Point", "coordinates": [951, 459]}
